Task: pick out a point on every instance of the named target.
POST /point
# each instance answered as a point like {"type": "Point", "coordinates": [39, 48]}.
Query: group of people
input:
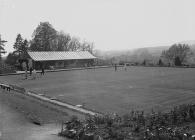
{"type": "Point", "coordinates": [33, 73]}
{"type": "Point", "coordinates": [125, 67]}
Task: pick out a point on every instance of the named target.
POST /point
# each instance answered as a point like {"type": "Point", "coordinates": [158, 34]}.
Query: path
{"type": "Point", "coordinates": [72, 107]}
{"type": "Point", "coordinates": [14, 126]}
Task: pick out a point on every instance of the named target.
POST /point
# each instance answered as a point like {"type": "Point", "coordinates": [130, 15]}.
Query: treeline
{"type": "Point", "coordinates": [175, 55]}
{"type": "Point", "coordinates": [46, 38]}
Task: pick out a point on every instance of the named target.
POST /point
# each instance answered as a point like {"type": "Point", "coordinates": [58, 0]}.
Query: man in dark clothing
{"type": "Point", "coordinates": [42, 71]}
{"type": "Point", "coordinates": [31, 71]}
{"type": "Point", "coordinates": [115, 66]}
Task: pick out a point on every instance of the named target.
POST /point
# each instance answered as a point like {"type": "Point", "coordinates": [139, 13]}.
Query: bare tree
{"type": "Point", "coordinates": [63, 41]}
{"type": "Point", "coordinates": [176, 53]}
{"type": "Point", "coordinates": [74, 44]}
{"type": "Point", "coordinates": [87, 46]}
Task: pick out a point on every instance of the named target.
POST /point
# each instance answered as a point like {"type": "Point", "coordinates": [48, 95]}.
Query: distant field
{"type": "Point", "coordinates": [108, 91]}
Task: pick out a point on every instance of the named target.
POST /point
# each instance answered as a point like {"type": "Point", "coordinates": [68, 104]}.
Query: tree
{"type": "Point", "coordinates": [74, 44]}
{"type": "Point", "coordinates": [11, 59]}
{"type": "Point", "coordinates": [43, 38]}
{"type": "Point", "coordinates": [86, 46]}
{"type": "Point", "coordinates": [177, 61]}
{"type": "Point", "coordinates": [160, 63]}
{"type": "Point", "coordinates": [20, 53]}
{"type": "Point", "coordinates": [144, 62]}
{"type": "Point", "coordinates": [2, 44]}
{"type": "Point", "coordinates": [63, 41]}
{"type": "Point", "coordinates": [46, 38]}
{"type": "Point", "coordinates": [176, 53]}
{"type": "Point", "coordinates": [18, 45]}
{"type": "Point", "coordinates": [24, 49]}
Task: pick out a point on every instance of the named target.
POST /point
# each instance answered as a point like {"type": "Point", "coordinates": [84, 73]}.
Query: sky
{"type": "Point", "coordinates": [110, 24]}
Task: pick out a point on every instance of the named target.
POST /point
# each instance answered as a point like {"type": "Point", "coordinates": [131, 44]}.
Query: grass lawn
{"type": "Point", "coordinates": [105, 90]}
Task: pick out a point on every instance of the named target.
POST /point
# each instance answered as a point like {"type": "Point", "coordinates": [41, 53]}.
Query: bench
{"type": "Point", "coordinates": [4, 86]}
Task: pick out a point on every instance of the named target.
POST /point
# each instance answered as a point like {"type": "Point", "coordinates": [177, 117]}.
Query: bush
{"type": "Point", "coordinates": [136, 125]}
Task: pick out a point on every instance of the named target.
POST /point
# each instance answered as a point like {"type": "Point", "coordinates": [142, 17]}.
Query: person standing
{"type": "Point", "coordinates": [31, 71]}
{"type": "Point", "coordinates": [26, 74]}
{"type": "Point", "coordinates": [115, 66]}
{"type": "Point", "coordinates": [24, 66]}
{"type": "Point", "coordinates": [34, 73]}
{"type": "Point", "coordinates": [30, 65]}
{"type": "Point", "coordinates": [125, 66]}
{"type": "Point", "coordinates": [42, 71]}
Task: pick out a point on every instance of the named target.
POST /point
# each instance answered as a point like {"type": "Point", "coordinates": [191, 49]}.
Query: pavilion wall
{"type": "Point", "coordinates": [63, 63]}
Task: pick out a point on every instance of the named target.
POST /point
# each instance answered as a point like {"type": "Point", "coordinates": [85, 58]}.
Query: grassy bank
{"type": "Point", "coordinates": [35, 110]}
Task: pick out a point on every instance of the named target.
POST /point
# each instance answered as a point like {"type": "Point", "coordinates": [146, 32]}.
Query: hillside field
{"type": "Point", "coordinates": [105, 90]}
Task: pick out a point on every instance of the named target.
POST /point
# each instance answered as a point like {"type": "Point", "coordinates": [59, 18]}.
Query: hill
{"type": "Point", "coordinates": [139, 52]}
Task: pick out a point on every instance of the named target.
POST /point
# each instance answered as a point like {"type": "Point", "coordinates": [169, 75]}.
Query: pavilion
{"type": "Point", "coordinates": [61, 59]}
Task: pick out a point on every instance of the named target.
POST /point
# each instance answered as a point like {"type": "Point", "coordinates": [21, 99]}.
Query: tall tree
{"type": "Point", "coordinates": [18, 45]}
{"type": "Point", "coordinates": [20, 52]}
{"type": "Point", "coordinates": [63, 41]}
{"type": "Point", "coordinates": [43, 37]}
{"type": "Point", "coordinates": [2, 44]}
{"type": "Point", "coordinates": [24, 49]}
{"type": "Point", "coordinates": [21, 47]}
{"type": "Point", "coordinates": [176, 53]}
